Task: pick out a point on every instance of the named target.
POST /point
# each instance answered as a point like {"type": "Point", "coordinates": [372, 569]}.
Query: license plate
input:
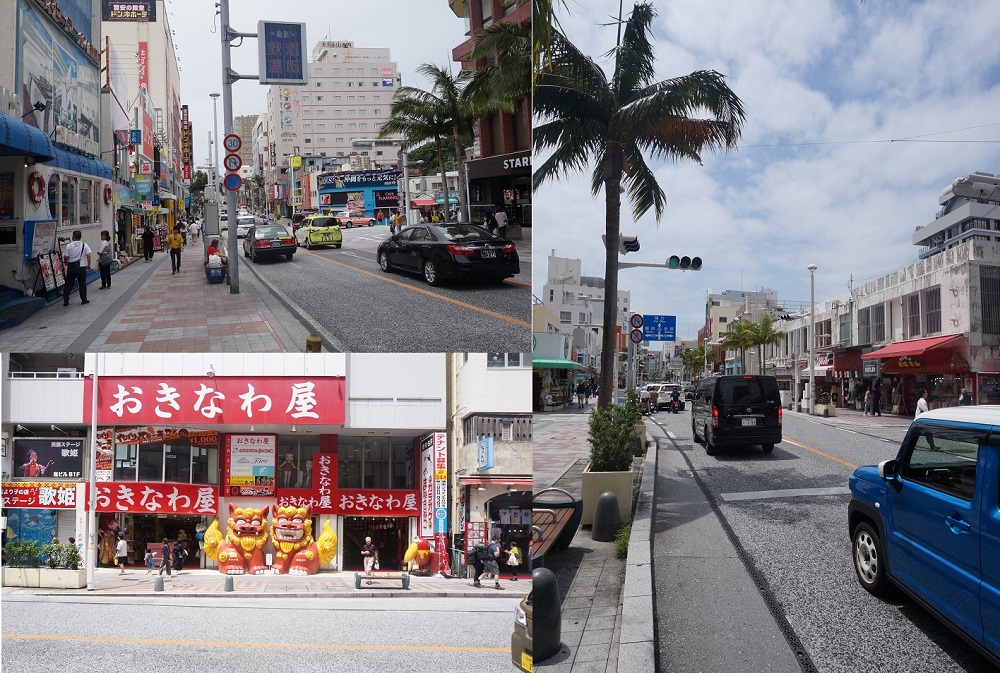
{"type": "Point", "coordinates": [526, 662]}
{"type": "Point", "coordinates": [749, 422]}
{"type": "Point", "coordinates": [327, 237]}
{"type": "Point", "coordinates": [489, 253]}
{"type": "Point", "coordinates": [275, 242]}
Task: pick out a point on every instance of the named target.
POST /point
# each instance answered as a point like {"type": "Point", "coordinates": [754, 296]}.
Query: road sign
{"type": "Point", "coordinates": [441, 513]}
{"type": "Point", "coordinates": [232, 162]}
{"type": "Point", "coordinates": [635, 320]}
{"type": "Point", "coordinates": [636, 336]}
{"type": "Point", "coordinates": [233, 182]}
{"type": "Point", "coordinates": [281, 55]}
{"type": "Point", "coordinates": [135, 136]}
{"type": "Point", "coordinates": [659, 327]}
{"type": "Point", "coordinates": [232, 142]}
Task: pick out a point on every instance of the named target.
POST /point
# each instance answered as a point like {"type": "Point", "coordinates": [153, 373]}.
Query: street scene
{"type": "Point", "coordinates": [367, 491]}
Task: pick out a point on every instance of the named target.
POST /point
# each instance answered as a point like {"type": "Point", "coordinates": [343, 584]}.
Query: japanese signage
{"type": "Point", "coordinates": [158, 498]}
{"type": "Point", "coordinates": [281, 52]}
{"type": "Point", "coordinates": [148, 400]}
{"type": "Point", "coordinates": [185, 136]}
{"type": "Point", "coordinates": [385, 178]}
{"type": "Point", "coordinates": [134, 10]}
{"type": "Point", "coordinates": [144, 67]}
{"type": "Point", "coordinates": [249, 464]}
{"type": "Point", "coordinates": [147, 140]}
{"type": "Point", "coordinates": [355, 502]}
{"type": "Point", "coordinates": [475, 534]}
{"type": "Point", "coordinates": [34, 495]}
{"type": "Point", "coordinates": [908, 362]}
{"type": "Point", "coordinates": [107, 438]}
{"type": "Point", "coordinates": [49, 458]}
{"type": "Point", "coordinates": [427, 487]}
{"type": "Point", "coordinates": [484, 453]}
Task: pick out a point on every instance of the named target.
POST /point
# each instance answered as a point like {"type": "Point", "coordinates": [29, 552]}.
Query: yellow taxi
{"type": "Point", "coordinates": [317, 230]}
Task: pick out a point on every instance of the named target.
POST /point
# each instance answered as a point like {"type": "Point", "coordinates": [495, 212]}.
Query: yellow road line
{"type": "Point", "coordinates": [442, 297]}
{"type": "Point", "coordinates": [223, 643]}
{"type": "Point", "coordinates": [820, 453]}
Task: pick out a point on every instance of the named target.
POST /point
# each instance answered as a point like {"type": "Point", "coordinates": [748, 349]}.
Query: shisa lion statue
{"type": "Point", "coordinates": [241, 551]}
{"type": "Point", "coordinates": [418, 555]}
{"type": "Point", "coordinates": [296, 553]}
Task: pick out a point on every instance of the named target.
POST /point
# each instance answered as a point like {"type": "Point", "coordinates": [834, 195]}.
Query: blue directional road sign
{"type": "Point", "coordinates": [233, 182]}
{"type": "Point", "coordinates": [659, 327]}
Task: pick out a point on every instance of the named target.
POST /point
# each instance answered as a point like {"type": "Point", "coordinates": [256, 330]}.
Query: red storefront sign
{"type": "Point", "coordinates": [285, 400]}
{"type": "Point", "coordinates": [354, 501]}
{"type": "Point", "coordinates": [50, 495]}
{"type": "Point", "coordinates": [158, 498]}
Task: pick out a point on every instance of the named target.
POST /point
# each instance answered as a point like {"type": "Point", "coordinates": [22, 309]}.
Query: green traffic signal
{"type": "Point", "coordinates": [684, 263]}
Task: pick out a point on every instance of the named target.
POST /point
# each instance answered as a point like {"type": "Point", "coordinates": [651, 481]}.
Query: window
{"type": "Point", "coordinates": [723, 319]}
{"type": "Point", "coordinates": [319, 98]}
{"type": "Point", "coordinates": [178, 463]}
{"type": "Point", "coordinates": [338, 113]}
{"type": "Point", "coordinates": [351, 113]}
{"type": "Point", "coordinates": [932, 310]}
{"type": "Point", "coordinates": [989, 298]}
{"type": "Point", "coordinates": [125, 461]}
{"type": "Point", "coordinates": [349, 71]}
{"type": "Point", "coordinates": [487, 9]}
{"type": "Point", "coordinates": [151, 462]}
{"type": "Point", "coordinates": [306, 127]}
{"type": "Point", "coordinates": [340, 141]}
{"type": "Point", "coordinates": [583, 318]}
{"type": "Point", "coordinates": [295, 461]}
{"type": "Point", "coordinates": [552, 295]}
{"type": "Point", "coordinates": [499, 360]}
{"type": "Point", "coordinates": [944, 459]}
{"type": "Point", "coordinates": [878, 323]}
{"type": "Point", "coordinates": [319, 84]}
{"type": "Point", "coordinates": [376, 462]}
{"type": "Point", "coordinates": [204, 465]}
{"type": "Point", "coordinates": [565, 316]}
{"type": "Point", "coordinates": [320, 127]}
{"type": "Point", "coordinates": [350, 98]}
{"type": "Point", "coordinates": [350, 84]}
{"type": "Point", "coordinates": [337, 98]}
{"type": "Point", "coordinates": [87, 201]}
{"type": "Point", "coordinates": [500, 428]}
{"type": "Point", "coordinates": [361, 83]}
{"type": "Point", "coordinates": [864, 325]}
{"type": "Point", "coordinates": [361, 98]}
{"type": "Point", "coordinates": [912, 306]}
{"type": "Point", "coordinates": [845, 329]}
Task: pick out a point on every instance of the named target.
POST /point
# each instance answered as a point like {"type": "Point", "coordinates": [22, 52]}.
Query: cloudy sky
{"type": "Point", "coordinates": [858, 116]}
{"type": "Point", "coordinates": [415, 32]}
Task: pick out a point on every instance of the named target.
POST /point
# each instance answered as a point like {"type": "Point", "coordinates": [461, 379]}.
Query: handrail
{"type": "Point", "coordinates": [535, 511]}
{"type": "Point", "coordinates": [557, 490]}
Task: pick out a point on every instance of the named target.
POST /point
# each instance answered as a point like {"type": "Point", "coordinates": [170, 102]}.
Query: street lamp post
{"type": "Point", "coordinates": [812, 338]}
{"type": "Point", "coordinates": [215, 149]}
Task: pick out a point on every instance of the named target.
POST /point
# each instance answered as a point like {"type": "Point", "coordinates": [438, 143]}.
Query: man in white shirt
{"type": "Point", "coordinates": [501, 218]}
{"type": "Point", "coordinates": [922, 403]}
{"type": "Point", "coordinates": [76, 252]}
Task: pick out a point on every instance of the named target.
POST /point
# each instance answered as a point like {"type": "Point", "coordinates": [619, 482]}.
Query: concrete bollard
{"type": "Point", "coordinates": [158, 583]}
{"type": "Point", "coordinates": [314, 344]}
{"type": "Point", "coordinates": [229, 583]}
{"type": "Point", "coordinates": [546, 614]}
{"type": "Point", "coordinates": [607, 518]}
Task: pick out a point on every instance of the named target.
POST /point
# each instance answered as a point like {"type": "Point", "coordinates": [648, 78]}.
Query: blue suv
{"type": "Point", "coordinates": [928, 522]}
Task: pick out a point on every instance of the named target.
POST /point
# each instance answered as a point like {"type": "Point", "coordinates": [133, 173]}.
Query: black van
{"type": "Point", "coordinates": [736, 410]}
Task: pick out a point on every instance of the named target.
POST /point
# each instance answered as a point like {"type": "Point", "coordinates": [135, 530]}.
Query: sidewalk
{"type": "Point", "coordinates": [201, 583]}
{"type": "Point", "coordinates": [149, 309]}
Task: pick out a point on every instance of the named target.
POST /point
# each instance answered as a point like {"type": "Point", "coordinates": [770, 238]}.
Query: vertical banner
{"type": "Point", "coordinates": [144, 66]}
{"type": "Point", "coordinates": [81, 520]}
{"type": "Point", "coordinates": [441, 500]}
{"type": "Point", "coordinates": [427, 487]}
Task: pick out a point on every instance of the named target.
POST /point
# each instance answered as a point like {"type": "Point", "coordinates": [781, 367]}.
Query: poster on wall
{"type": "Point", "coordinates": [43, 236]}
{"type": "Point", "coordinates": [132, 10]}
{"type": "Point", "coordinates": [58, 271]}
{"type": "Point", "coordinates": [6, 196]}
{"type": "Point", "coordinates": [355, 200]}
{"type": "Point", "coordinates": [45, 266]}
{"type": "Point", "coordinates": [250, 465]}
{"type": "Point", "coordinates": [48, 458]}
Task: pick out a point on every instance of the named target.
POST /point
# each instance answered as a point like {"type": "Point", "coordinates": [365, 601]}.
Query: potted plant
{"type": "Point", "coordinates": [612, 435]}
{"type": "Point", "coordinates": [824, 404]}
{"type": "Point", "coordinates": [53, 565]}
{"type": "Point", "coordinates": [21, 559]}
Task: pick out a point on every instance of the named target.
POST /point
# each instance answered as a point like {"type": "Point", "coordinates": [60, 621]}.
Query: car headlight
{"type": "Point", "coordinates": [520, 616]}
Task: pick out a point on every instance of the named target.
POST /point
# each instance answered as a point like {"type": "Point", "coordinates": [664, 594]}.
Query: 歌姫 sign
{"type": "Point", "coordinates": [48, 458]}
{"type": "Point", "coordinates": [30, 495]}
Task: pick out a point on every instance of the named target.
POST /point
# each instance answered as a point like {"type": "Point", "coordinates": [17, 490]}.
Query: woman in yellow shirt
{"type": "Point", "coordinates": [174, 243]}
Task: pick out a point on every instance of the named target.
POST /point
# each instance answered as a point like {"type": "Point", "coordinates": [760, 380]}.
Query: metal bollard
{"type": "Point", "coordinates": [313, 344]}
{"type": "Point", "coordinates": [546, 614]}
{"type": "Point", "coordinates": [607, 518]}
{"type": "Point", "coordinates": [229, 583]}
{"type": "Point", "coordinates": [158, 583]}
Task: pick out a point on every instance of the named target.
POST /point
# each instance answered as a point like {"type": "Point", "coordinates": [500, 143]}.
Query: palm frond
{"type": "Point", "coordinates": [634, 59]}
{"type": "Point", "coordinates": [640, 183]}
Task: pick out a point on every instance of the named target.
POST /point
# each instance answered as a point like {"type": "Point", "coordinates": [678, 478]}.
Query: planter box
{"type": "Point", "coordinates": [21, 577]}
{"type": "Point", "coordinates": [595, 483]}
{"type": "Point", "coordinates": [829, 408]}
{"type": "Point", "coordinates": [61, 578]}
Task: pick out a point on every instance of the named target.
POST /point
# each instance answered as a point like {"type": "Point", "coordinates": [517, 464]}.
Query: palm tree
{"type": "Point", "coordinates": [419, 116]}
{"type": "Point", "coordinates": [765, 335]}
{"type": "Point", "coordinates": [697, 357]}
{"type": "Point", "coordinates": [504, 83]}
{"type": "Point", "coordinates": [543, 22]}
{"type": "Point", "coordinates": [586, 117]}
{"type": "Point", "coordinates": [739, 337]}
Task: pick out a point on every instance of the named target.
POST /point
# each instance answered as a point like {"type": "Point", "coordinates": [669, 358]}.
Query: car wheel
{"type": "Point", "coordinates": [694, 433]}
{"type": "Point", "coordinates": [253, 256]}
{"type": "Point", "coordinates": [337, 245]}
{"type": "Point", "coordinates": [710, 448]}
{"type": "Point", "coordinates": [308, 244]}
{"type": "Point", "coordinates": [383, 261]}
{"type": "Point", "coordinates": [431, 272]}
{"type": "Point", "coordinates": [289, 255]}
{"type": "Point", "coordinates": [869, 560]}
{"type": "Point", "coordinates": [768, 448]}
{"type": "Point", "coordinates": [371, 223]}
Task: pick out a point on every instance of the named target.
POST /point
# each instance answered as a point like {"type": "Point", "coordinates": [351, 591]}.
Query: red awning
{"type": "Point", "coordinates": [495, 481]}
{"type": "Point", "coordinates": [914, 347]}
{"type": "Point", "coordinates": [424, 202]}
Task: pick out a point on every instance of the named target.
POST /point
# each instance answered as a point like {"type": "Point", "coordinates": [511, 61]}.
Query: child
{"type": "Point", "coordinates": [149, 562]}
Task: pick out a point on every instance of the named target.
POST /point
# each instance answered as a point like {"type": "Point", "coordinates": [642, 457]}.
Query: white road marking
{"type": "Point", "coordinates": [786, 493]}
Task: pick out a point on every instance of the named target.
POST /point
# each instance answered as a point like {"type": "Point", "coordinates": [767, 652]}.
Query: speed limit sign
{"type": "Point", "coordinates": [635, 320]}
{"type": "Point", "coordinates": [636, 336]}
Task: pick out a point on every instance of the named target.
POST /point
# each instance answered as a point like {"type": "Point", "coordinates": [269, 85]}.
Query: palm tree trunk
{"type": "Point", "coordinates": [463, 216]}
{"type": "Point", "coordinates": [613, 203]}
{"type": "Point", "coordinates": [444, 176]}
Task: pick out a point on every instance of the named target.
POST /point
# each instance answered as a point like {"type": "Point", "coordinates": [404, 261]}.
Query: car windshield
{"type": "Point", "coordinates": [323, 222]}
{"type": "Point", "coordinates": [248, 221]}
{"type": "Point", "coordinates": [465, 232]}
{"type": "Point", "coordinates": [269, 231]}
{"type": "Point", "coordinates": [747, 391]}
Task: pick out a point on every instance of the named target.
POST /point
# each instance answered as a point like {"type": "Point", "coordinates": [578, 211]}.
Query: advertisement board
{"type": "Point", "coordinates": [249, 465]}
{"type": "Point", "coordinates": [48, 458]}
{"type": "Point", "coordinates": [281, 53]}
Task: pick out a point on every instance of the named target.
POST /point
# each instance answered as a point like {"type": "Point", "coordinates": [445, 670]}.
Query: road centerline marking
{"type": "Point", "coordinates": [820, 453]}
{"type": "Point", "coordinates": [471, 307]}
{"type": "Point", "coordinates": [784, 493]}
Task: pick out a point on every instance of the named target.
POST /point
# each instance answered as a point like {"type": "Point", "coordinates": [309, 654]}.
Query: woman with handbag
{"type": "Point", "coordinates": [105, 257]}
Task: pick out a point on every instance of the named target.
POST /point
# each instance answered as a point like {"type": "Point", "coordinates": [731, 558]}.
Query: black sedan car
{"type": "Point", "coordinates": [268, 240]}
{"type": "Point", "coordinates": [457, 250]}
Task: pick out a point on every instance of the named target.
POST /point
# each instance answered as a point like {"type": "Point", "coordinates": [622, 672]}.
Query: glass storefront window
{"type": "Point", "coordinates": [349, 468]}
{"type": "Point", "coordinates": [295, 461]}
{"type": "Point", "coordinates": [402, 464]}
{"type": "Point", "coordinates": [54, 198]}
{"type": "Point", "coordinates": [151, 462]}
{"type": "Point", "coordinates": [204, 465]}
{"type": "Point", "coordinates": [178, 463]}
{"type": "Point", "coordinates": [376, 462]}
{"type": "Point", "coordinates": [86, 201]}
{"type": "Point", "coordinates": [125, 461]}
{"type": "Point", "coordinates": [69, 214]}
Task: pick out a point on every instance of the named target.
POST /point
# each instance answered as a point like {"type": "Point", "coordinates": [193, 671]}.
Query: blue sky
{"type": "Point", "coordinates": [826, 85]}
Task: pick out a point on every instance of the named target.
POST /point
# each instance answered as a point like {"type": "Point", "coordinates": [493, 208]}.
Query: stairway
{"type": "Point", "coordinates": [15, 307]}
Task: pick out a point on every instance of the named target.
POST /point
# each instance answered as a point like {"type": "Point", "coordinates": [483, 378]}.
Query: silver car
{"type": "Point", "coordinates": [244, 223]}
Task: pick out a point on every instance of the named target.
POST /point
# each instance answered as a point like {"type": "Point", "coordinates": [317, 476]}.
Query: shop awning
{"type": "Point", "coordinates": [821, 370]}
{"type": "Point", "coordinates": [20, 139]}
{"type": "Point", "coordinates": [79, 163]}
{"type": "Point", "coordinates": [441, 200]}
{"type": "Point", "coordinates": [424, 202]}
{"type": "Point", "coordinates": [914, 347]}
{"type": "Point", "coordinates": [481, 480]}
{"type": "Point", "coordinates": [554, 363]}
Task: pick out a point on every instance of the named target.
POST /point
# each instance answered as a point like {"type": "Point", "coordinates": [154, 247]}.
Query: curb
{"type": "Point", "coordinates": [246, 594]}
{"type": "Point", "coordinates": [637, 647]}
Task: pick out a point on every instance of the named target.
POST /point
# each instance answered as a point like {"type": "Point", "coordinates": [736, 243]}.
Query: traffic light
{"type": "Point", "coordinates": [684, 263]}
{"type": "Point", "coordinates": [626, 244]}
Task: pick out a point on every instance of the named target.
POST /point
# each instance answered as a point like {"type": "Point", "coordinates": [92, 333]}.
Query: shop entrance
{"type": "Point", "coordinates": [510, 516]}
{"type": "Point", "coordinates": [149, 530]}
{"type": "Point", "coordinates": [390, 533]}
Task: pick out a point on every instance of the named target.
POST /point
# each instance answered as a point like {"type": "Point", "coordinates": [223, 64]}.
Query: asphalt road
{"type": "Point", "coordinates": [357, 307]}
{"type": "Point", "coordinates": [798, 547]}
{"type": "Point", "coordinates": [41, 634]}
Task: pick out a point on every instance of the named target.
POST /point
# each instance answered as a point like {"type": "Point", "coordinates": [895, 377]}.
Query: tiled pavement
{"type": "Point", "coordinates": [201, 583]}
{"type": "Point", "coordinates": [149, 309]}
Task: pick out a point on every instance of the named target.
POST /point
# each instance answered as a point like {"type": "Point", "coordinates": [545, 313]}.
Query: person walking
{"type": "Point", "coordinates": [922, 403]}
{"type": "Point", "coordinates": [121, 553]}
{"type": "Point", "coordinates": [369, 552]}
{"type": "Point", "coordinates": [105, 255]}
{"type": "Point", "coordinates": [194, 230]}
{"type": "Point", "coordinates": [501, 217]}
{"type": "Point", "coordinates": [179, 556]}
{"type": "Point", "coordinates": [877, 399]}
{"type": "Point", "coordinates": [174, 243]}
{"type": "Point", "coordinates": [77, 252]}
{"type": "Point", "coordinates": [581, 392]}
{"type": "Point", "coordinates": [868, 402]}
{"type": "Point", "coordinates": [513, 560]}
{"type": "Point", "coordinates": [148, 558]}
{"type": "Point", "coordinates": [165, 558]}
{"type": "Point", "coordinates": [492, 564]}
{"type": "Point", "coordinates": [477, 559]}
{"type": "Point", "coordinates": [147, 243]}
{"type": "Point", "coordinates": [965, 399]}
